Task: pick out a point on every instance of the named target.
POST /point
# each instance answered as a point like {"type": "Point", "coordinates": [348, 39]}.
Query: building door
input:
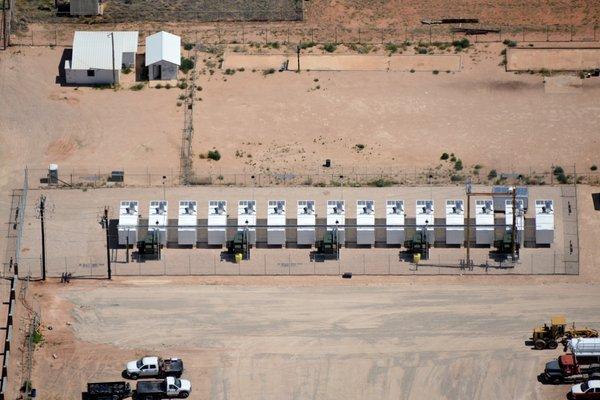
{"type": "Point", "coordinates": [159, 71]}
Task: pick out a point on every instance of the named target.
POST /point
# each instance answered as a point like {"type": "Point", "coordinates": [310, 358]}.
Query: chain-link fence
{"type": "Point", "coordinates": [322, 177]}
{"type": "Point", "coordinates": [253, 33]}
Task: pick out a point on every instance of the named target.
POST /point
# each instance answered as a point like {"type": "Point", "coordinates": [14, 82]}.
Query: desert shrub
{"type": "Point", "coordinates": [435, 72]}
{"type": "Point", "coordinates": [458, 165]}
{"type": "Point", "coordinates": [307, 45]}
{"type": "Point", "coordinates": [412, 71]}
{"type": "Point", "coordinates": [422, 50]}
{"type": "Point", "coordinates": [359, 146]}
{"type": "Point", "coordinates": [229, 71]}
{"type": "Point", "coordinates": [594, 167]}
{"type": "Point", "coordinates": [456, 178]}
{"type": "Point", "coordinates": [492, 174]}
{"type": "Point", "coordinates": [168, 86]}
{"type": "Point", "coordinates": [274, 45]}
{"type": "Point", "coordinates": [391, 48]}
{"type": "Point", "coordinates": [214, 155]}
{"type": "Point", "coordinates": [182, 85]}
{"type": "Point", "coordinates": [158, 86]}
{"type": "Point", "coordinates": [126, 70]}
{"type": "Point", "coordinates": [268, 71]}
{"type": "Point", "coordinates": [444, 156]}
{"type": "Point", "coordinates": [509, 43]}
{"type": "Point", "coordinates": [461, 44]}
{"type": "Point", "coordinates": [330, 47]}
{"type": "Point", "coordinates": [137, 87]}
{"type": "Point", "coordinates": [187, 64]}
{"type": "Point", "coordinates": [188, 46]}
{"type": "Point", "coordinates": [558, 170]}
{"type": "Point", "coordinates": [382, 182]}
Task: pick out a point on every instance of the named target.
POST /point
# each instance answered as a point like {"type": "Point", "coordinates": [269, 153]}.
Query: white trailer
{"type": "Point", "coordinates": [584, 347]}
{"type": "Point", "coordinates": [276, 223]}
{"type": "Point", "coordinates": [484, 221]}
{"type": "Point", "coordinates": [520, 218]}
{"type": "Point", "coordinates": [455, 215]}
{"type": "Point", "coordinates": [425, 218]}
{"type": "Point", "coordinates": [336, 217]}
{"type": "Point", "coordinates": [217, 222]}
{"type": "Point", "coordinates": [306, 222]}
{"type": "Point", "coordinates": [394, 215]}
{"type": "Point", "coordinates": [187, 233]}
{"type": "Point", "coordinates": [544, 221]}
{"type": "Point", "coordinates": [247, 218]}
{"type": "Point", "coordinates": [128, 222]}
{"type": "Point", "coordinates": [158, 218]}
{"type": "Point", "coordinates": [365, 221]}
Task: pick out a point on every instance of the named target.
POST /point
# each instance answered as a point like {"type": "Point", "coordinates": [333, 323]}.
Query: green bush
{"type": "Point", "coordinates": [456, 178]}
{"type": "Point", "coordinates": [37, 337]}
{"type": "Point", "coordinates": [360, 146]}
{"type": "Point", "coordinates": [594, 167]}
{"type": "Point", "coordinates": [435, 72]}
{"type": "Point", "coordinates": [330, 47]}
{"type": "Point", "coordinates": [126, 70]}
{"type": "Point", "coordinates": [187, 64]}
{"type": "Point", "coordinates": [458, 165]}
{"type": "Point", "coordinates": [307, 45]}
{"type": "Point", "coordinates": [188, 46]}
{"type": "Point", "coordinates": [182, 85]}
{"type": "Point", "coordinates": [422, 50]}
{"type": "Point", "coordinates": [137, 87]}
{"type": "Point", "coordinates": [492, 174]}
{"type": "Point", "coordinates": [158, 86]}
{"type": "Point", "coordinates": [509, 43]}
{"type": "Point", "coordinates": [214, 155]}
{"type": "Point", "coordinates": [444, 156]}
{"type": "Point", "coordinates": [461, 44]}
{"type": "Point", "coordinates": [391, 48]}
{"type": "Point", "coordinates": [168, 86]}
{"type": "Point", "coordinates": [382, 182]}
{"type": "Point", "coordinates": [229, 71]}
{"type": "Point", "coordinates": [269, 71]}
{"type": "Point", "coordinates": [558, 170]}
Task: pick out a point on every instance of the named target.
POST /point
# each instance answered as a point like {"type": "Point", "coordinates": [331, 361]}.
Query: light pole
{"type": "Point", "coordinates": [164, 179]}
{"type": "Point", "coordinates": [114, 71]}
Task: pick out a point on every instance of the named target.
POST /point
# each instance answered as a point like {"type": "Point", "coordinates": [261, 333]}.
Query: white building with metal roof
{"type": "Point", "coordinates": [163, 55]}
{"type": "Point", "coordinates": [95, 53]}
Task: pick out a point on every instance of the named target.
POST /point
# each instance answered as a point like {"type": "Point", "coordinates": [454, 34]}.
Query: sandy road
{"type": "Point", "coordinates": [311, 342]}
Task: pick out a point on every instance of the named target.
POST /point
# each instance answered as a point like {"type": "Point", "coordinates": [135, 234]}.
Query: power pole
{"type": "Point", "coordinates": [468, 233]}
{"type": "Point", "coordinates": [105, 225]}
{"type": "Point", "coordinates": [42, 207]}
{"type": "Point", "coordinates": [112, 39]}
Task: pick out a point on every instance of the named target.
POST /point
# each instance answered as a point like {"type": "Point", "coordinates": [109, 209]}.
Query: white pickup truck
{"type": "Point", "coordinates": [151, 367]}
{"type": "Point", "coordinates": [165, 389]}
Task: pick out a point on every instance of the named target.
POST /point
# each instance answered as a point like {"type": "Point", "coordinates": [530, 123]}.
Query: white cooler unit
{"type": "Point", "coordinates": [455, 215]}
{"type": "Point", "coordinates": [425, 218]}
{"type": "Point", "coordinates": [158, 218]}
{"type": "Point", "coordinates": [247, 218]}
{"type": "Point", "coordinates": [128, 222]}
{"type": "Point", "coordinates": [484, 215]}
{"type": "Point", "coordinates": [336, 216]}
{"type": "Point", "coordinates": [187, 233]}
{"type": "Point", "coordinates": [365, 221]}
{"type": "Point", "coordinates": [394, 215]}
{"type": "Point", "coordinates": [544, 221]}
{"type": "Point", "coordinates": [217, 222]}
{"type": "Point", "coordinates": [306, 220]}
{"type": "Point", "coordinates": [276, 223]}
{"type": "Point", "coordinates": [520, 220]}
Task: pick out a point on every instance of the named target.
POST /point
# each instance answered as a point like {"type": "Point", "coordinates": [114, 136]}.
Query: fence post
{"type": "Point", "coordinates": [389, 265]}
{"type": "Point", "coordinates": [289, 263]}
{"type": "Point", "coordinates": [265, 263]}
{"type": "Point", "coordinates": [189, 264]}
{"type": "Point", "coordinates": [214, 264]}
{"type": "Point", "coordinates": [32, 38]}
{"type": "Point", "coordinates": [364, 265]}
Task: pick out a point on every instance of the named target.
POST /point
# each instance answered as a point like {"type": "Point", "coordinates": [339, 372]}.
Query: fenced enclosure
{"type": "Point", "coordinates": [260, 33]}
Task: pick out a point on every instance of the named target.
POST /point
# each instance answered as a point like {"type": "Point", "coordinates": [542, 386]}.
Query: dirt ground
{"type": "Point", "coordinates": [310, 338]}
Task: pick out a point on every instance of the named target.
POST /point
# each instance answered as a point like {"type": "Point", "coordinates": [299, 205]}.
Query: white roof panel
{"type": "Point", "coordinates": [394, 213]}
{"type": "Point", "coordinates": [425, 213]}
{"type": "Point", "coordinates": [544, 215]}
{"type": "Point", "coordinates": [188, 213]}
{"type": "Point", "coordinates": [455, 213]}
{"type": "Point", "coordinates": [93, 50]}
{"type": "Point", "coordinates": [336, 212]}
{"type": "Point", "coordinates": [276, 213]}
{"type": "Point", "coordinates": [520, 219]}
{"type": "Point", "coordinates": [128, 213]}
{"type": "Point", "coordinates": [246, 213]}
{"type": "Point", "coordinates": [217, 213]}
{"type": "Point", "coordinates": [484, 214]}
{"type": "Point", "coordinates": [163, 46]}
{"type": "Point", "coordinates": [306, 212]}
{"type": "Point", "coordinates": [158, 214]}
{"type": "Point", "coordinates": [365, 213]}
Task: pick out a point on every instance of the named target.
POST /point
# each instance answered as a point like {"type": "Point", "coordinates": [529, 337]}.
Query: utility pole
{"type": "Point", "coordinates": [105, 225]}
{"type": "Point", "coordinates": [42, 207]}
{"type": "Point", "coordinates": [468, 233]}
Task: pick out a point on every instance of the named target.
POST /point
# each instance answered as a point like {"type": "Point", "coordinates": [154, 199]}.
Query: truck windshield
{"type": "Point", "coordinates": [178, 383]}
{"type": "Point", "coordinates": [139, 363]}
{"type": "Point", "coordinates": [584, 387]}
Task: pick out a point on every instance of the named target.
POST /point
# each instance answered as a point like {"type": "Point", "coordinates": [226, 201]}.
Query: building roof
{"type": "Point", "coordinates": [93, 50]}
{"type": "Point", "coordinates": [163, 46]}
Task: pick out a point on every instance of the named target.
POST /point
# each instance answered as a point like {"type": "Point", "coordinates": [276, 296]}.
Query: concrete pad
{"type": "Point", "coordinates": [253, 61]}
{"type": "Point", "coordinates": [339, 62]}
{"type": "Point", "coordinates": [569, 59]}
{"type": "Point", "coordinates": [425, 62]}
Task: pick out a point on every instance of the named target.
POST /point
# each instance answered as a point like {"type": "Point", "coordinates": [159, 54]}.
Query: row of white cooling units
{"type": "Point", "coordinates": [217, 215]}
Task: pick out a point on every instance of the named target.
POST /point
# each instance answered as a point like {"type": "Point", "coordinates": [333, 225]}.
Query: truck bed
{"type": "Point", "coordinates": [100, 389]}
{"type": "Point", "coordinates": [150, 387]}
{"type": "Point", "coordinates": [172, 366]}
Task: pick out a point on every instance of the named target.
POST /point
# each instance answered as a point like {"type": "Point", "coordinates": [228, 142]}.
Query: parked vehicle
{"type": "Point", "coordinates": [589, 390]}
{"type": "Point", "coordinates": [154, 367]}
{"type": "Point", "coordinates": [566, 369]}
{"type": "Point", "coordinates": [549, 336]}
{"type": "Point", "coordinates": [164, 389]}
{"type": "Point", "coordinates": [108, 390]}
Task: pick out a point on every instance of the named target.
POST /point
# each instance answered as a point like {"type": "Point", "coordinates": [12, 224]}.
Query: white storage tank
{"type": "Point", "coordinates": [455, 215]}
{"type": "Point", "coordinates": [187, 233]}
{"type": "Point", "coordinates": [247, 218]}
{"type": "Point", "coordinates": [365, 221]}
{"type": "Point", "coordinates": [158, 218]}
{"type": "Point", "coordinates": [276, 223]}
{"type": "Point", "coordinates": [520, 220]}
{"type": "Point", "coordinates": [217, 222]}
{"type": "Point", "coordinates": [484, 222]}
{"type": "Point", "coordinates": [336, 217]}
{"type": "Point", "coordinates": [128, 222]}
{"type": "Point", "coordinates": [306, 222]}
{"type": "Point", "coordinates": [544, 221]}
{"type": "Point", "coordinates": [425, 218]}
{"type": "Point", "coordinates": [394, 215]}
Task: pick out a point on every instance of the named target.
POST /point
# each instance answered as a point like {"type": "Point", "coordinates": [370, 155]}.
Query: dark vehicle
{"type": "Point", "coordinates": [239, 244]}
{"type": "Point", "coordinates": [419, 244]}
{"type": "Point", "coordinates": [329, 245]}
{"type": "Point", "coordinates": [108, 390]}
{"type": "Point", "coordinates": [566, 370]}
{"type": "Point", "coordinates": [504, 245]}
{"type": "Point", "coordinates": [165, 389]}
